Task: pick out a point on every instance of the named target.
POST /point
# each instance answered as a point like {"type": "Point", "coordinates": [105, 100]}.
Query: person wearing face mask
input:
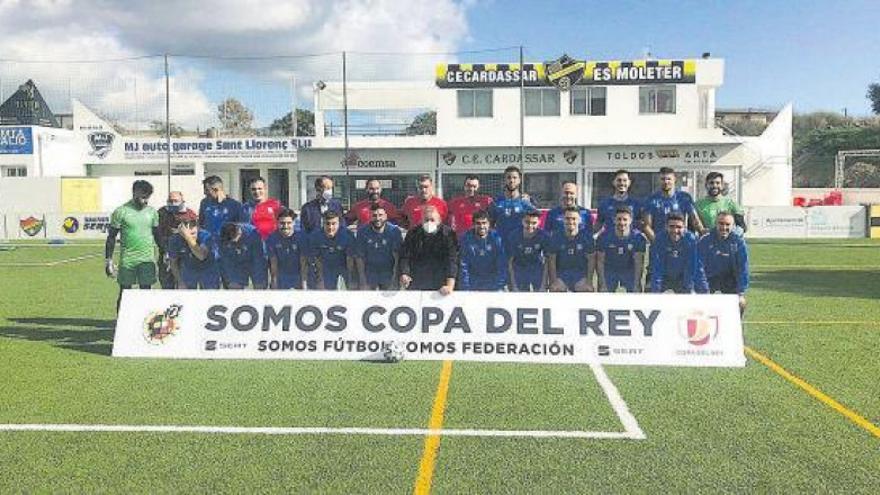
{"type": "Point", "coordinates": [483, 259]}
{"type": "Point", "coordinates": [312, 213]}
{"type": "Point", "coordinates": [288, 251]}
{"type": "Point", "coordinates": [170, 217]}
{"type": "Point", "coordinates": [414, 206]}
{"type": "Point", "coordinates": [555, 221]}
{"type": "Point", "coordinates": [508, 209]}
{"type": "Point", "coordinates": [429, 255]}
{"type": "Point", "coordinates": [376, 251]}
{"type": "Point", "coordinates": [362, 211]}
{"type": "Point", "coordinates": [725, 257]}
{"type": "Point", "coordinates": [261, 210]}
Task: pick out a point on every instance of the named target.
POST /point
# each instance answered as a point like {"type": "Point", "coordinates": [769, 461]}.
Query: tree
{"type": "Point", "coordinates": [158, 126]}
{"type": "Point", "coordinates": [305, 124]}
{"type": "Point", "coordinates": [862, 174]}
{"type": "Point", "coordinates": [235, 117]}
{"type": "Point", "coordinates": [424, 124]}
{"type": "Point", "coordinates": [874, 96]}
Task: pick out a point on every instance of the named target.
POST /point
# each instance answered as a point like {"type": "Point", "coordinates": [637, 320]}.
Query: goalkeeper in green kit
{"type": "Point", "coordinates": [717, 201]}
{"type": "Point", "coordinates": [138, 225]}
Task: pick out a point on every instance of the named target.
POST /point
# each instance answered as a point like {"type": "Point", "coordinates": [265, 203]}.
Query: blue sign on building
{"type": "Point", "coordinates": [16, 141]}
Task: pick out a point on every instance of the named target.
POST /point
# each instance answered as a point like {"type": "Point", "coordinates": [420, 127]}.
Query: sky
{"type": "Point", "coordinates": [817, 55]}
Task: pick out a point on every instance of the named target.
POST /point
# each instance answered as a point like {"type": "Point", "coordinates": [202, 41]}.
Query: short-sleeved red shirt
{"type": "Point", "coordinates": [462, 209]}
{"type": "Point", "coordinates": [361, 212]}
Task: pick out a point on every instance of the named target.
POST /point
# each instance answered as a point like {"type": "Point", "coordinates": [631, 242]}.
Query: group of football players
{"type": "Point", "coordinates": [665, 242]}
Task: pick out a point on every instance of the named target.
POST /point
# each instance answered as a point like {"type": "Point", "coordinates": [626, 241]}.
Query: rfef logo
{"type": "Point", "coordinates": [698, 328]}
{"type": "Point", "coordinates": [159, 327]}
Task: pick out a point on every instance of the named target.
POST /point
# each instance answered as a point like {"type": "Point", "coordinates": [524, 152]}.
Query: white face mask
{"type": "Point", "coordinates": [327, 194]}
{"type": "Point", "coordinates": [430, 227]}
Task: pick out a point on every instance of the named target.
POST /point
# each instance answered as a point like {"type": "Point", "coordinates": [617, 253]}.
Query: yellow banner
{"type": "Point", "coordinates": [80, 195]}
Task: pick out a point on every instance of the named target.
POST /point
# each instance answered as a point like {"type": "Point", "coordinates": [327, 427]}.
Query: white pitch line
{"type": "Point", "coordinates": [99, 428]}
{"type": "Point", "coordinates": [818, 267]}
{"type": "Point", "coordinates": [52, 263]}
{"type": "Point", "coordinates": [630, 425]}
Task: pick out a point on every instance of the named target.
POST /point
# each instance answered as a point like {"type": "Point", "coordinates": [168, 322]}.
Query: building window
{"type": "Point", "coordinates": [657, 99]}
{"type": "Point", "coordinates": [588, 101]}
{"type": "Point", "coordinates": [541, 102]}
{"type": "Point", "coordinates": [474, 103]}
{"type": "Point", "coordinates": [14, 171]}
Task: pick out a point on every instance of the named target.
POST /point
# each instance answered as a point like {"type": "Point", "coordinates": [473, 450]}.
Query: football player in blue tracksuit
{"type": "Point", "coordinates": [572, 258]}
{"type": "Point", "coordinates": [287, 251]}
{"type": "Point", "coordinates": [607, 211]}
{"type": "Point", "coordinates": [666, 201]}
{"type": "Point", "coordinates": [554, 222]}
{"type": "Point", "coordinates": [508, 209]}
{"type": "Point", "coordinates": [242, 257]}
{"type": "Point", "coordinates": [330, 249]}
{"type": "Point", "coordinates": [217, 209]}
{"type": "Point", "coordinates": [483, 263]}
{"type": "Point", "coordinates": [527, 250]}
{"type": "Point", "coordinates": [620, 255]}
{"type": "Point", "coordinates": [377, 250]}
{"type": "Point", "coordinates": [726, 259]}
{"type": "Point", "coordinates": [193, 255]}
{"type": "Point", "coordinates": [675, 260]}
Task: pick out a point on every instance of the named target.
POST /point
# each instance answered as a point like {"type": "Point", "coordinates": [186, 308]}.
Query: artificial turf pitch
{"type": "Point", "coordinates": [814, 310]}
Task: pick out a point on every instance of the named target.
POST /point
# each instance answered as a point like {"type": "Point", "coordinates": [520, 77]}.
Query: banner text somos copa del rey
{"type": "Point", "coordinates": [649, 329]}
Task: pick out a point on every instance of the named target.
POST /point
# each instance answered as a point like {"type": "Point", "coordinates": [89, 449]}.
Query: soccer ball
{"type": "Point", "coordinates": [393, 352]}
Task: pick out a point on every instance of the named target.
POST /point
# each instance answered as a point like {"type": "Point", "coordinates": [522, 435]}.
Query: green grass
{"type": "Point", "coordinates": [708, 430]}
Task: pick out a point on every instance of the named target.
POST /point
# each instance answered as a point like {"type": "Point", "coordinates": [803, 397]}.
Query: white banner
{"type": "Point", "coordinates": [278, 149]}
{"type": "Point", "coordinates": [776, 221]}
{"type": "Point", "coordinates": [78, 225]}
{"type": "Point", "coordinates": [646, 329]}
{"type": "Point", "coordinates": [836, 221]}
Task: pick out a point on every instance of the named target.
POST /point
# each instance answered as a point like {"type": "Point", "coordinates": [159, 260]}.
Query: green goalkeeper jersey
{"type": "Point", "coordinates": [708, 210]}
{"type": "Point", "coordinates": [136, 229]}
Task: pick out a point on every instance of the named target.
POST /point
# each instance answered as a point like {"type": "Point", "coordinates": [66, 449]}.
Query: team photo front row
{"type": "Point", "coordinates": [475, 243]}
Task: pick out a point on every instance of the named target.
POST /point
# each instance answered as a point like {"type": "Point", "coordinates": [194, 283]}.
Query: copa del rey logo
{"type": "Point", "coordinates": [698, 327]}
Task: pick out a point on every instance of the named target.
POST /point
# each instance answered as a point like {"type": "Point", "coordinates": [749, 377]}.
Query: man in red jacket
{"type": "Point", "coordinates": [413, 207]}
{"type": "Point", "coordinates": [361, 212]}
{"type": "Point", "coordinates": [261, 210]}
{"type": "Point", "coordinates": [462, 208]}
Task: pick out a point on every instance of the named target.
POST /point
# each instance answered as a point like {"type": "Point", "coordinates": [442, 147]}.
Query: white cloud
{"type": "Point", "coordinates": [102, 29]}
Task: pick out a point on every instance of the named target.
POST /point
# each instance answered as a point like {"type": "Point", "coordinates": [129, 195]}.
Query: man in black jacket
{"type": "Point", "coordinates": [429, 256]}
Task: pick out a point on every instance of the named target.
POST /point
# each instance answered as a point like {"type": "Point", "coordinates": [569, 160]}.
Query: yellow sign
{"type": "Point", "coordinates": [80, 195]}
{"type": "Point", "coordinates": [874, 221]}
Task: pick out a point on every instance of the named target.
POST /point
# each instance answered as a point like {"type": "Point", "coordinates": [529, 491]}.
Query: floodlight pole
{"type": "Point", "coordinates": [345, 160]}
{"type": "Point", "coordinates": [168, 122]}
{"type": "Point", "coordinates": [522, 109]}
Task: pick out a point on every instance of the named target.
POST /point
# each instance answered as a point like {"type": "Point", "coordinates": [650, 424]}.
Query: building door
{"type": "Point", "coordinates": [279, 185]}
{"type": "Point", "coordinates": [643, 185]}
{"type": "Point", "coordinates": [245, 176]}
